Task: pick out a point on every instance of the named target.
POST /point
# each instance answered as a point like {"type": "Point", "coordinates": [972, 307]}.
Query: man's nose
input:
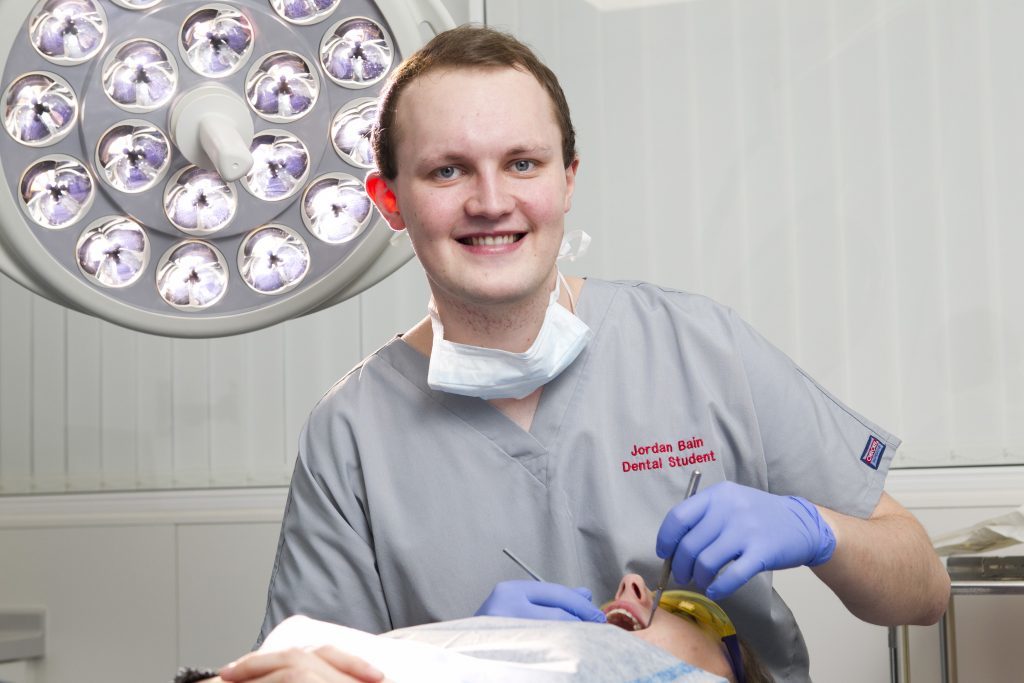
{"type": "Point", "coordinates": [490, 197]}
{"type": "Point", "coordinates": [633, 589]}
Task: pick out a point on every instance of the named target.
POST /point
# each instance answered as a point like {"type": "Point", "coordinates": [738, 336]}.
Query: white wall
{"type": "Point", "coordinates": [136, 584]}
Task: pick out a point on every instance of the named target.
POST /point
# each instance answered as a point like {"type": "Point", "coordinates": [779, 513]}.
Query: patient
{"type": "Point", "coordinates": [689, 640]}
{"type": "Point", "coordinates": [688, 626]}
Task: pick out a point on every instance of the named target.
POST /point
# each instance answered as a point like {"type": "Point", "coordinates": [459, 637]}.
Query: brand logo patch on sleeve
{"type": "Point", "coordinates": [872, 455]}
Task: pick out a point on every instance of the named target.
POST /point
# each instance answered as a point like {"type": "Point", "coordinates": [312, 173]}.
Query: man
{"type": "Point", "coordinates": [561, 417]}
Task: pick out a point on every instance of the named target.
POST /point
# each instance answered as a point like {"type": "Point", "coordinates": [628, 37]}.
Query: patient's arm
{"type": "Point", "coordinates": [325, 664]}
{"type": "Point", "coordinates": [884, 568]}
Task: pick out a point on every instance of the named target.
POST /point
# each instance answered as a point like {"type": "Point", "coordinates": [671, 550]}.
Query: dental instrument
{"type": "Point", "coordinates": [522, 566]}
{"type": "Point", "coordinates": [666, 568]}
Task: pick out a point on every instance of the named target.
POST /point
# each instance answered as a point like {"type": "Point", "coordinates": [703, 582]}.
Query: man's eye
{"type": "Point", "coordinates": [446, 172]}
{"type": "Point", "coordinates": [523, 165]}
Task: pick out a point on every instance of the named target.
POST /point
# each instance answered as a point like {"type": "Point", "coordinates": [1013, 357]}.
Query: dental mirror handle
{"type": "Point", "coordinates": [522, 566]}
{"type": "Point", "coordinates": [666, 567]}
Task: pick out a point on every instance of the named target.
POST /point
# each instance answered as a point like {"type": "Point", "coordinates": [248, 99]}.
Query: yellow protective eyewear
{"type": "Point", "coordinates": [702, 608]}
{"type": "Point", "coordinates": [706, 612]}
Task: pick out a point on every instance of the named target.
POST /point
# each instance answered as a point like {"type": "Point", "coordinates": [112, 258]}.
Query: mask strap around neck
{"type": "Point", "coordinates": [568, 290]}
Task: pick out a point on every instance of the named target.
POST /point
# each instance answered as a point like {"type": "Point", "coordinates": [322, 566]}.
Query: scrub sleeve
{"type": "Point", "coordinates": [814, 446]}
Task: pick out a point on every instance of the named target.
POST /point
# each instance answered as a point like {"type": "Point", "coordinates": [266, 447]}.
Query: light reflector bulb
{"type": "Point", "coordinates": [56, 191]}
{"type": "Point", "coordinates": [137, 4]}
{"type": "Point", "coordinates": [283, 87]}
{"type": "Point", "coordinates": [335, 208]}
{"type": "Point", "coordinates": [304, 11]}
{"type": "Point", "coordinates": [140, 75]}
{"type": "Point", "coordinates": [67, 31]}
{"type": "Point", "coordinates": [199, 202]}
{"type": "Point", "coordinates": [273, 259]}
{"type": "Point", "coordinates": [216, 40]}
{"type": "Point", "coordinates": [280, 165]}
{"type": "Point", "coordinates": [133, 156]}
{"type": "Point", "coordinates": [356, 52]}
{"type": "Point", "coordinates": [192, 276]}
{"type": "Point", "coordinates": [113, 251]}
{"type": "Point", "coordinates": [39, 109]}
{"type": "Point", "coordinates": [351, 129]}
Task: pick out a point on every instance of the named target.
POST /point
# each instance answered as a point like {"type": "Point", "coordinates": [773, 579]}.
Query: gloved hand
{"type": "Point", "coordinates": [538, 600]}
{"type": "Point", "coordinates": [749, 530]}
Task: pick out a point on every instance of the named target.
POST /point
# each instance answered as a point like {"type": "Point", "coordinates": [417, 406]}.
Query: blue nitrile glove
{"type": "Point", "coordinates": [743, 530]}
{"type": "Point", "coordinates": [538, 600]}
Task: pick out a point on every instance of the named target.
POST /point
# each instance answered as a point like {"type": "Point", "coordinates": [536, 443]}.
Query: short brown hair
{"type": "Point", "coordinates": [465, 47]}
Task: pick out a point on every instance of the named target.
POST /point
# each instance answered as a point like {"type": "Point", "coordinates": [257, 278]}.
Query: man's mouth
{"type": "Point", "coordinates": [623, 619]}
{"type": "Point", "coordinates": [491, 240]}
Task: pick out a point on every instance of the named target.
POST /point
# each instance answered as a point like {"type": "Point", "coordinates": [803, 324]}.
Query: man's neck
{"type": "Point", "coordinates": [509, 327]}
{"type": "Point", "coordinates": [513, 330]}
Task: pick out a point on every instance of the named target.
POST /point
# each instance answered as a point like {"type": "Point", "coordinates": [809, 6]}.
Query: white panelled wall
{"type": "Point", "coordinates": [87, 406]}
{"type": "Point", "coordinates": [842, 172]}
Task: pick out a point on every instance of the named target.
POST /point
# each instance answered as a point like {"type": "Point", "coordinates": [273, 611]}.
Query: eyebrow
{"type": "Point", "coordinates": [446, 158]}
{"type": "Point", "coordinates": [530, 150]}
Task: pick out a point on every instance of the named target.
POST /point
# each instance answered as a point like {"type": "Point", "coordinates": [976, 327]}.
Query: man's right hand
{"type": "Point", "coordinates": [538, 600]}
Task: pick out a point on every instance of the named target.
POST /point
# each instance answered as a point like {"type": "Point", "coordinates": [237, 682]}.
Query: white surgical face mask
{"type": "Point", "coordinates": [493, 373]}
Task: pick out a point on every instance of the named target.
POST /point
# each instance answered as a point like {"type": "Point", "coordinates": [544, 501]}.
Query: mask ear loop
{"type": "Point", "coordinates": [568, 290]}
{"type": "Point", "coordinates": [574, 244]}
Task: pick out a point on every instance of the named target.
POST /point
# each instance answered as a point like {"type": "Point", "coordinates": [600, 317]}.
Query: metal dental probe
{"type": "Point", "coordinates": [666, 568]}
{"type": "Point", "coordinates": [522, 566]}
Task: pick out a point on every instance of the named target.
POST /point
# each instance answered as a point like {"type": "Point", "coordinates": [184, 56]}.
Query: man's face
{"type": "Point", "coordinates": [677, 635]}
{"type": "Point", "coordinates": [481, 185]}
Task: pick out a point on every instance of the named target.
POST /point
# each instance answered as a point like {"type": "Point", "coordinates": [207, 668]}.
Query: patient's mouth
{"type": "Point", "coordinates": [623, 619]}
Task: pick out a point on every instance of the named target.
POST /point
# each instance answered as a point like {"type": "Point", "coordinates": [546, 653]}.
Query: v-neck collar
{"type": "Point", "coordinates": [526, 447]}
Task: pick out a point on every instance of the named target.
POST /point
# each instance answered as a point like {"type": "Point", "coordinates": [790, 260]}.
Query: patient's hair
{"type": "Point", "coordinates": [465, 47]}
{"type": "Point", "coordinates": [754, 670]}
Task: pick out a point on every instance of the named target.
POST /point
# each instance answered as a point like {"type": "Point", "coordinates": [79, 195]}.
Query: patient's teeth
{"type": "Point", "coordinates": [623, 619]}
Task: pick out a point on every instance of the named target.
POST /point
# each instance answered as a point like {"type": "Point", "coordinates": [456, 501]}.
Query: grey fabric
{"type": "Point", "coordinates": [403, 497]}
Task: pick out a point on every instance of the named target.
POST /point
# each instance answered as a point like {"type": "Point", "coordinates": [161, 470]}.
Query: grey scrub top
{"type": "Point", "coordinates": [403, 497]}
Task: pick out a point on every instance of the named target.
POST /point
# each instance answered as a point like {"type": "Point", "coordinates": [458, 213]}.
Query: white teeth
{"type": "Point", "coordinates": [491, 240]}
{"type": "Point", "coordinates": [619, 610]}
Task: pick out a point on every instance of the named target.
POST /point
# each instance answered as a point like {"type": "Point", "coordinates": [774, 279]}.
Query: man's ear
{"type": "Point", "coordinates": [570, 182]}
{"type": "Point", "coordinates": [384, 199]}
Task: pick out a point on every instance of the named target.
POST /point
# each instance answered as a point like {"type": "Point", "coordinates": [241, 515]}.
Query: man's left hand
{"type": "Point", "coordinates": [725, 535]}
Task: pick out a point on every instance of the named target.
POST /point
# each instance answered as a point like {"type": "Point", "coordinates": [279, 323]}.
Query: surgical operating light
{"type": "Point", "coordinates": [195, 168]}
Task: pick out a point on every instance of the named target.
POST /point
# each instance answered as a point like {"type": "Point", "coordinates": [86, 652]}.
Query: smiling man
{"type": "Point", "coordinates": [484, 199]}
{"type": "Point", "coordinates": [505, 417]}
